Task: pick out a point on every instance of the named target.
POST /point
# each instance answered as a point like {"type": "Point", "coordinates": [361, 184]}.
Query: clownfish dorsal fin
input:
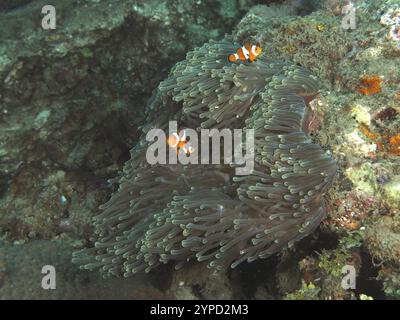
{"type": "Point", "coordinates": [183, 138]}
{"type": "Point", "coordinates": [247, 45]}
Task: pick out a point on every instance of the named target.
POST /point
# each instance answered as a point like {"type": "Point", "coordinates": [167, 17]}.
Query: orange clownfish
{"type": "Point", "coordinates": [247, 52]}
{"type": "Point", "coordinates": [187, 149]}
{"type": "Point", "coordinates": [179, 141]}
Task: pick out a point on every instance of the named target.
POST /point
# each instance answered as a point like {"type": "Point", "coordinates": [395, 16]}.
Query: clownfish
{"type": "Point", "coordinates": [187, 149]}
{"type": "Point", "coordinates": [178, 141]}
{"type": "Point", "coordinates": [247, 52]}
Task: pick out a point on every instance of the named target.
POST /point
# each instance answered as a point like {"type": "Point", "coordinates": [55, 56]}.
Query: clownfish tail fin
{"type": "Point", "coordinates": [232, 58]}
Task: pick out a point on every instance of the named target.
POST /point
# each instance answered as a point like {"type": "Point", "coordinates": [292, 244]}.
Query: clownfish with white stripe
{"type": "Point", "coordinates": [178, 141]}
{"type": "Point", "coordinates": [246, 53]}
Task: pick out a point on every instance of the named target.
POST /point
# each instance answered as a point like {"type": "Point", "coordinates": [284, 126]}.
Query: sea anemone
{"type": "Point", "coordinates": [179, 213]}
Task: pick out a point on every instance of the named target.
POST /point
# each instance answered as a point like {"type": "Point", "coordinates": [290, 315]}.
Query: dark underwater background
{"type": "Point", "coordinates": [73, 100]}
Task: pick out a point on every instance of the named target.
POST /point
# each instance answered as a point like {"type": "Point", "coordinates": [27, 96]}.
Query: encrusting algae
{"type": "Point", "coordinates": [369, 85]}
{"type": "Point", "coordinates": [387, 143]}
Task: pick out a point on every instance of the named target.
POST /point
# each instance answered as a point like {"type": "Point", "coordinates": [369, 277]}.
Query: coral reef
{"type": "Point", "coordinates": [392, 18]}
{"type": "Point", "coordinates": [383, 239]}
{"type": "Point", "coordinates": [360, 130]}
{"type": "Point", "coordinates": [21, 277]}
{"type": "Point", "coordinates": [306, 292]}
{"type": "Point", "coordinates": [12, 4]}
{"type": "Point", "coordinates": [71, 99]}
{"type": "Point", "coordinates": [197, 283]}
